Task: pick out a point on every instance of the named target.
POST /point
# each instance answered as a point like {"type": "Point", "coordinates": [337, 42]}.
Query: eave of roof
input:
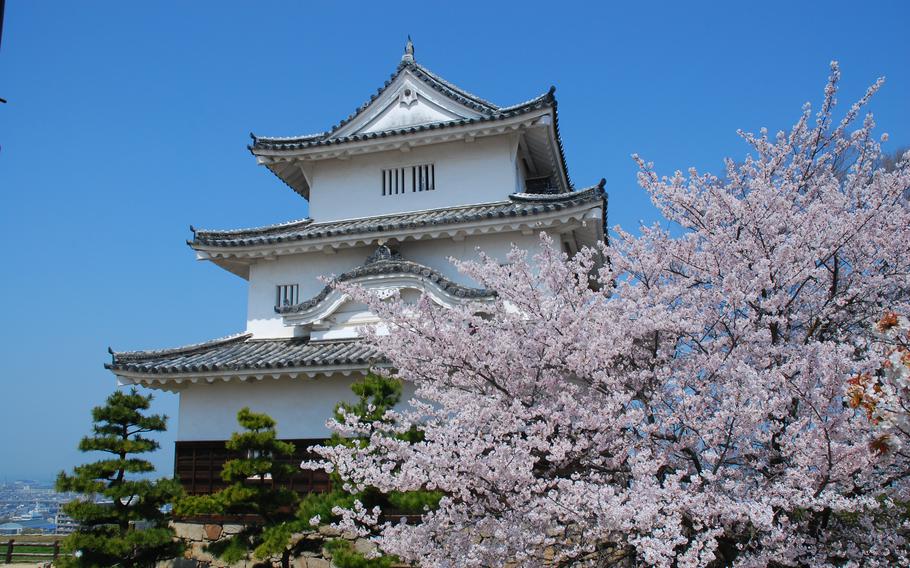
{"type": "Point", "coordinates": [546, 100]}
{"type": "Point", "coordinates": [517, 206]}
{"type": "Point", "coordinates": [242, 356]}
{"type": "Point", "coordinates": [121, 357]}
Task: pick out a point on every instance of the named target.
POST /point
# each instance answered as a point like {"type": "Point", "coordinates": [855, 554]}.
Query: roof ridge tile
{"type": "Point", "coordinates": [182, 350]}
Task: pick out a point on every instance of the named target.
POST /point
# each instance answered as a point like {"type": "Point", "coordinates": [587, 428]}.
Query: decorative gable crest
{"type": "Point", "coordinates": [383, 252]}
{"type": "Point", "coordinates": [407, 101]}
{"type": "Point", "coordinates": [407, 96]}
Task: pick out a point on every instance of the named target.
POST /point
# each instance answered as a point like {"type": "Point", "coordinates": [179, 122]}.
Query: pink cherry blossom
{"type": "Point", "coordinates": [677, 398]}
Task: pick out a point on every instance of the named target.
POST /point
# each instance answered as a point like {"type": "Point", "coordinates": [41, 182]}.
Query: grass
{"type": "Point", "coordinates": [48, 538]}
{"type": "Point", "coordinates": [44, 545]}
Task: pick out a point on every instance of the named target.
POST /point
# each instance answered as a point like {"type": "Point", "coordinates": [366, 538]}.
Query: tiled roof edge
{"type": "Point", "coordinates": [433, 80]}
{"type": "Point", "coordinates": [263, 143]}
{"type": "Point", "coordinates": [129, 356]}
{"type": "Point", "coordinates": [449, 88]}
{"type": "Point", "coordinates": [564, 196]}
{"type": "Point", "coordinates": [207, 237]}
{"type": "Point", "coordinates": [279, 355]}
{"type": "Point", "coordinates": [562, 152]}
{"type": "Point", "coordinates": [253, 231]}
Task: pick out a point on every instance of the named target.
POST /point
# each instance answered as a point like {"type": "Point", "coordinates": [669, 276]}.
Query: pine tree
{"type": "Point", "coordinates": [375, 396]}
{"type": "Point", "coordinates": [255, 489]}
{"type": "Point", "coordinates": [126, 527]}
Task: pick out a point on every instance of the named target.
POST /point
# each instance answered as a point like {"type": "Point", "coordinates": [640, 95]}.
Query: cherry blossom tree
{"type": "Point", "coordinates": [683, 397]}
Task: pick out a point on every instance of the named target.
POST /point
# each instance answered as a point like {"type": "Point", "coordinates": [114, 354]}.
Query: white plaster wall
{"type": "Point", "coordinates": [466, 173]}
{"type": "Point", "coordinates": [305, 270]}
{"type": "Point", "coordinates": [435, 253]}
{"type": "Point", "coordinates": [421, 111]}
{"type": "Point", "coordinates": [300, 406]}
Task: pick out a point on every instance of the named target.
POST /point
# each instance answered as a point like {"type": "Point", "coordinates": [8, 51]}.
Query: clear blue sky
{"type": "Point", "coordinates": [129, 121]}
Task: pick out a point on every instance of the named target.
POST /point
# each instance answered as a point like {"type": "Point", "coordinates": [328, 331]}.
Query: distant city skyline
{"type": "Point", "coordinates": [30, 505]}
{"type": "Point", "coordinates": [125, 124]}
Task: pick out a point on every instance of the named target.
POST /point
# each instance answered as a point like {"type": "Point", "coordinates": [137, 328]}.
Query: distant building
{"type": "Point", "coordinates": [64, 524]}
{"type": "Point", "coordinates": [11, 529]}
{"type": "Point", "coordinates": [38, 525]}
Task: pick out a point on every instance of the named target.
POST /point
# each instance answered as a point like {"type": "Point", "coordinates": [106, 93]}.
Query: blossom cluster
{"type": "Point", "coordinates": [885, 397]}
{"type": "Point", "coordinates": [680, 397]}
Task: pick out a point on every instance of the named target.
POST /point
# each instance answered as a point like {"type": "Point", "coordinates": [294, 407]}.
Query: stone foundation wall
{"type": "Point", "coordinates": [198, 534]}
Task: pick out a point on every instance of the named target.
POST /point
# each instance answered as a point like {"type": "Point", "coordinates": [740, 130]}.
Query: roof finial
{"type": "Point", "coordinates": [408, 51]}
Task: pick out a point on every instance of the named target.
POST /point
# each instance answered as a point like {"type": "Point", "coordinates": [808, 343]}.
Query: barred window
{"type": "Point", "coordinates": [286, 294]}
{"type": "Point", "coordinates": [410, 179]}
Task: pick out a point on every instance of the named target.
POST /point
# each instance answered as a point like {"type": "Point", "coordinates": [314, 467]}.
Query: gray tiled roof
{"type": "Point", "coordinates": [518, 205]}
{"type": "Point", "coordinates": [242, 353]}
{"type": "Point", "coordinates": [386, 261]}
{"type": "Point", "coordinates": [488, 111]}
{"type": "Point", "coordinates": [312, 140]}
{"type": "Point", "coordinates": [434, 81]}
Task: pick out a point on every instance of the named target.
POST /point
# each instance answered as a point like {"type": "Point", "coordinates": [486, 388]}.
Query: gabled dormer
{"type": "Point", "coordinates": [395, 139]}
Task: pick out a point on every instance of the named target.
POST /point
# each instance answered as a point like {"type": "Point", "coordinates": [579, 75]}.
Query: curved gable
{"type": "Point", "coordinates": [385, 272]}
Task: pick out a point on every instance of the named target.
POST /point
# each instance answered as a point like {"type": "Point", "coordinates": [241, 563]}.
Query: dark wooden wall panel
{"type": "Point", "coordinates": [197, 465]}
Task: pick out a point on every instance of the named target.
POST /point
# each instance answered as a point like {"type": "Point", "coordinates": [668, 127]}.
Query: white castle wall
{"type": "Point", "coordinates": [466, 173]}
{"type": "Point", "coordinates": [300, 406]}
{"type": "Point", "coordinates": [305, 269]}
{"type": "Point", "coordinates": [302, 269]}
